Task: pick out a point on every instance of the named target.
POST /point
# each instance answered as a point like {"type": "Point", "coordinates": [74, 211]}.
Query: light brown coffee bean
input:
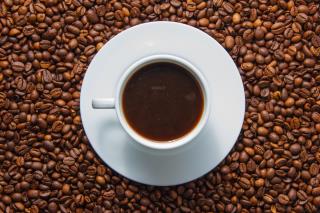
{"type": "Point", "coordinates": [204, 22]}
{"type": "Point", "coordinates": [236, 18]}
{"type": "Point", "coordinates": [229, 42]}
{"type": "Point", "coordinates": [100, 180]}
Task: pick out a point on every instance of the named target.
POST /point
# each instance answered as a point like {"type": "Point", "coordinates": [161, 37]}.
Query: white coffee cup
{"type": "Point", "coordinates": [116, 102]}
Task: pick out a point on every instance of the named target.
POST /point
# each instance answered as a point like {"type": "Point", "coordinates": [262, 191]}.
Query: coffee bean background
{"type": "Point", "coordinates": [46, 163]}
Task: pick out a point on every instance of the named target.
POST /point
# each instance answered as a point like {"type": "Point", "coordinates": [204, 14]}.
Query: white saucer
{"type": "Point", "coordinates": [112, 143]}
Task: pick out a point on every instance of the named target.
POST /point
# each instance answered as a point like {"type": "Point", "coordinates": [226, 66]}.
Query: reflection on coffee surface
{"type": "Point", "coordinates": [162, 101]}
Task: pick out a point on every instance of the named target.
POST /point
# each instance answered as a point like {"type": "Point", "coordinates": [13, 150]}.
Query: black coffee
{"type": "Point", "coordinates": [162, 101]}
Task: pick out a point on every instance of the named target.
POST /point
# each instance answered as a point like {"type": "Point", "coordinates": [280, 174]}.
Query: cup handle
{"type": "Point", "coordinates": [103, 103]}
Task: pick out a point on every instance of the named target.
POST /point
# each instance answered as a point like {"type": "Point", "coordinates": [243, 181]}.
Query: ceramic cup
{"type": "Point", "coordinates": [116, 102]}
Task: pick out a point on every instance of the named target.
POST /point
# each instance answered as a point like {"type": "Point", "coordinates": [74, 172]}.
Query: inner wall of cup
{"type": "Point", "coordinates": [180, 63]}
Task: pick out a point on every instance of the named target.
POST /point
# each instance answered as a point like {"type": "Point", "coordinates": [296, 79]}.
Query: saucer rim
{"type": "Point", "coordinates": [242, 104]}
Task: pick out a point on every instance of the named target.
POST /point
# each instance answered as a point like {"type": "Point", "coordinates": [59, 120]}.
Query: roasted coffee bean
{"type": "Point", "coordinates": [28, 30]}
{"type": "Point", "coordinates": [314, 169]}
{"type": "Point", "coordinates": [268, 199]}
{"type": "Point", "coordinates": [316, 201]}
{"type": "Point", "coordinates": [301, 195]}
{"type": "Point", "coordinates": [244, 182]}
{"type": "Point", "coordinates": [19, 206]}
{"type": "Point", "coordinates": [295, 148]}
{"type": "Point", "coordinates": [292, 194]}
{"type": "Point", "coordinates": [100, 180]}
{"type": "Point", "coordinates": [92, 16]}
{"type": "Point", "coordinates": [18, 66]}
{"type": "Point", "coordinates": [283, 199]}
{"type": "Point", "coordinates": [89, 50]}
{"type": "Point", "coordinates": [73, 29]}
{"type": "Point", "coordinates": [229, 42]}
{"type": "Point", "coordinates": [69, 161]}
{"type": "Point", "coordinates": [302, 18]}
{"type": "Point", "coordinates": [33, 193]}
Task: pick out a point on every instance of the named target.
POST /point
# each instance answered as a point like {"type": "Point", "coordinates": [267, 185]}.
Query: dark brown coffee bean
{"type": "Point", "coordinates": [56, 93]}
{"type": "Point", "coordinates": [244, 182]}
{"type": "Point", "coordinates": [292, 194]}
{"type": "Point", "coordinates": [45, 44]}
{"type": "Point", "coordinates": [225, 170]}
{"type": "Point", "coordinates": [309, 62]}
{"type": "Point", "coordinates": [316, 191]}
{"type": "Point", "coordinates": [314, 169]}
{"type": "Point", "coordinates": [28, 30]}
{"type": "Point", "coordinates": [268, 199]}
{"type": "Point", "coordinates": [251, 166]}
{"type": "Point", "coordinates": [57, 126]}
{"type": "Point", "coordinates": [33, 193]}
{"type": "Point", "coordinates": [19, 206]}
{"type": "Point", "coordinates": [89, 50]}
{"type": "Point", "coordinates": [56, 185]}
{"type": "Point", "coordinates": [18, 66]}
{"type": "Point", "coordinates": [42, 123]}
{"type": "Point", "coordinates": [244, 157]}
{"type": "Point", "coordinates": [36, 165]}
{"type": "Point", "coordinates": [315, 41]}
{"type": "Point", "coordinates": [16, 196]}
{"type": "Point", "coordinates": [248, 35]}
{"type": "Point", "coordinates": [145, 202]}
{"type": "Point", "coordinates": [283, 199]}
{"type": "Point", "coordinates": [278, 28]}
{"type": "Point", "coordinates": [259, 33]}
{"type": "Point", "coordinates": [6, 199]}
{"type": "Point", "coordinates": [69, 161]}
{"type": "Point", "coordinates": [46, 76]}
{"type": "Point", "coordinates": [21, 83]}
{"type": "Point", "coordinates": [92, 16]}
{"type": "Point", "coordinates": [316, 201]}
{"type": "Point", "coordinates": [73, 43]}
{"type": "Point", "coordinates": [302, 18]}
{"type": "Point", "coordinates": [316, 117]}
{"type": "Point", "coordinates": [74, 30]}
{"type": "Point", "coordinates": [39, 7]}
{"type": "Point", "coordinates": [295, 148]}
{"type": "Point", "coordinates": [305, 175]}
{"type": "Point", "coordinates": [301, 195]}
{"type": "Point", "coordinates": [101, 170]}
{"type": "Point", "coordinates": [53, 207]}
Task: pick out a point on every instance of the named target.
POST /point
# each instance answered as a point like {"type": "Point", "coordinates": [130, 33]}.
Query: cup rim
{"type": "Point", "coordinates": [152, 143]}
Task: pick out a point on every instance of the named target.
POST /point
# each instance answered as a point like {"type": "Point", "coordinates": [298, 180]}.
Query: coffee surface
{"type": "Point", "coordinates": [162, 101]}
